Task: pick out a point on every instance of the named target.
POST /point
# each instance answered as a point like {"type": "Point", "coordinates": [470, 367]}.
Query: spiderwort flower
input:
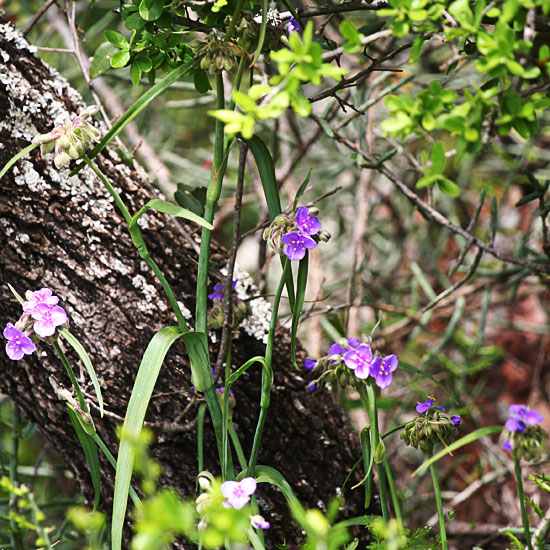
{"type": "Point", "coordinates": [520, 417]}
{"type": "Point", "coordinates": [310, 364]}
{"type": "Point", "coordinates": [359, 360]}
{"type": "Point", "coordinates": [381, 369]}
{"type": "Point", "coordinates": [259, 522]}
{"type": "Point", "coordinates": [47, 319]}
{"type": "Point", "coordinates": [296, 245]}
{"type": "Point", "coordinates": [18, 343]}
{"type": "Point", "coordinates": [238, 493]}
{"type": "Point", "coordinates": [292, 26]}
{"type": "Point", "coordinates": [307, 224]}
{"type": "Point", "coordinates": [218, 291]}
{"type": "Point", "coordinates": [42, 296]}
{"type": "Point", "coordinates": [428, 404]}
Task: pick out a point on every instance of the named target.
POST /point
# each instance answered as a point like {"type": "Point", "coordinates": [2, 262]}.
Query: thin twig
{"type": "Point", "coordinates": [43, 9]}
{"type": "Point", "coordinates": [228, 281]}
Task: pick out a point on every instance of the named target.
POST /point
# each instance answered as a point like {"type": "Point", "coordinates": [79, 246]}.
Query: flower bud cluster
{"type": "Point", "coordinates": [433, 426]}
{"type": "Point", "coordinates": [293, 234]}
{"type": "Point", "coordinates": [41, 317]}
{"type": "Point", "coordinates": [216, 55]}
{"type": "Point", "coordinates": [72, 139]}
{"type": "Point", "coordinates": [248, 31]}
{"type": "Point", "coordinates": [350, 362]}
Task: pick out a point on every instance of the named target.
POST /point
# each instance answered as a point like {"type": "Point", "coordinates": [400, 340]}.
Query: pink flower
{"type": "Point", "coordinates": [47, 319]}
{"type": "Point", "coordinates": [42, 296]}
{"type": "Point", "coordinates": [238, 493]}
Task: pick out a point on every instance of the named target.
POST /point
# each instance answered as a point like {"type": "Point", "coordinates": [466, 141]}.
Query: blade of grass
{"type": "Point", "coordinates": [144, 384]}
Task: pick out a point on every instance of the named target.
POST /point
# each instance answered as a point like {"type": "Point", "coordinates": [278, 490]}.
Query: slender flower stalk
{"type": "Point", "coordinates": [15, 533]}
{"type": "Point", "coordinates": [439, 504]}
{"type": "Point", "coordinates": [266, 379]}
{"type": "Point", "coordinates": [521, 497]}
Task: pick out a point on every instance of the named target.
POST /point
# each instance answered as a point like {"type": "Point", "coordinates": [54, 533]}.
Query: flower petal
{"type": "Point", "coordinates": [533, 417]}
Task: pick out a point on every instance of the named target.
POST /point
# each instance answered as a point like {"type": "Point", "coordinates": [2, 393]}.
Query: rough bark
{"type": "Point", "coordinates": [64, 233]}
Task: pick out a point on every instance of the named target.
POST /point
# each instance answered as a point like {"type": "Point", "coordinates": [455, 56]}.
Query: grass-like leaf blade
{"type": "Point", "coordinates": [416, 370]}
{"type": "Point", "coordinates": [136, 108]}
{"type": "Point", "coordinates": [171, 209]}
{"type": "Point", "coordinates": [90, 452]}
{"type": "Point", "coordinates": [470, 438]}
{"type": "Point", "coordinates": [79, 348]}
{"type": "Point", "coordinates": [144, 384]}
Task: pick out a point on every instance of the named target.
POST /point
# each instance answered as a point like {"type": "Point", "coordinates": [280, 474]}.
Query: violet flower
{"type": "Point", "coordinates": [47, 319]}
{"type": "Point", "coordinates": [296, 245]}
{"type": "Point", "coordinates": [238, 493]}
{"type": "Point", "coordinates": [292, 26]}
{"type": "Point", "coordinates": [307, 224]}
{"type": "Point", "coordinates": [456, 420]}
{"type": "Point", "coordinates": [259, 522]}
{"type": "Point", "coordinates": [381, 369]}
{"type": "Point", "coordinates": [218, 291]}
{"type": "Point", "coordinates": [428, 404]}
{"type": "Point", "coordinates": [310, 364]}
{"type": "Point", "coordinates": [359, 360]}
{"type": "Point", "coordinates": [18, 344]}
{"type": "Point", "coordinates": [521, 417]}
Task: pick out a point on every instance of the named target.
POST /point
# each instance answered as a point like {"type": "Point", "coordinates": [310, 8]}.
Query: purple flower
{"type": "Point", "coordinates": [360, 360]}
{"type": "Point", "coordinates": [428, 404]}
{"type": "Point", "coordinates": [507, 446]}
{"type": "Point", "coordinates": [292, 26]}
{"type": "Point", "coordinates": [296, 244]}
{"type": "Point", "coordinates": [382, 370]}
{"type": "Point", "coordinates": [520, 417]}
{"type": "Point", "coordinates": [456, 420]}
{"type": "Point", "coordinates": [259, 522]}
{"type": "Point", "coordinates": [238, 493]}
{"type": "Point", "coordinates": [353, 342]}
{"type": "Point", "coordinates": [310, 364]}
{"type": "Point", "coordinates": [47, 319]}
{"type": "Point", "coordinates": [18, 344]}
{"type": "Point", "coordinates": [307, 224]}
{"type": "Point", "coordinates": [218, 291]}
{"type": "Point", "coordinates": [42, 296]}
{"type": "Point", "coordinates": [312, 387]}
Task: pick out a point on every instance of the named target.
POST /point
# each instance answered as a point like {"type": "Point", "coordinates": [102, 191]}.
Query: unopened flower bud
{"type": "Point", "coordinates": [324, 235]}
{"type": "Point", "coordinates": [61, 160]}
{"type": "Point", "coordinates": [281, 219]}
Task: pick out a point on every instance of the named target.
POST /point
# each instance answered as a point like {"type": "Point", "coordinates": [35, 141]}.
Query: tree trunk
{"type": "Point", "coordinates": [65, 233]}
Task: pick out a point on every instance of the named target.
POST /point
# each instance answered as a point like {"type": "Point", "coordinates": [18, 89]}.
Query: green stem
{"type": "Point", "coordinates": [200, 436]}
{"type": "Point", "coordinates": [15, 533]}
{"type": "Point", "coordinates": [393, 492]}
{"type": "Point", "coordinates": [137, 239]}
{"type": "Point", "coordinates": [226, 413]}
{"type": "Point", "coordinates": [74, 381]}
{"type": "Point", "coordinates": [524, 518]}
{"type": "Point", "coordinates": [110, 188]}
{"type": "Point", "coordinates": [112, 460]}
{"type": "Point", "coordinates": [37, 518]}
{"type": "Point", "coordinates": [266, 379]}
{"type": "Point", "coordinates": [439, 504]}
{"type": "Point", "coordinates": [370, 405]}
{"type": "Point", "coordinates": [234, 19]}
{"type": "Point", "coordinates": [237, 446]}
{"type": "Point", "coordinates": [212, 196]}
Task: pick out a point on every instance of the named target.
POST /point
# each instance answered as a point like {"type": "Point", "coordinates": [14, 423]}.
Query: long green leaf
{"type": "Point", "coordinates": [263, 27]}
{"type": "Point", "coordinates": [77, 346]}
{"type": "Point", "coordinates": [301, 190]}
{"type": "Point", "coordinates": [144, 384]}
{"type": "Point", "coordinates": [17, 156]}
{"type": "Point", "coordinates": [196, 344]}
{"type": "Point", "coordinates": [301, 283]}
{"type": "Point", "coordinates": [137, 107]}
{"type": "Point", "coordinates": [90, 451]}
{"type": "Point", "coordinates": [471, 437]}
{"type": "Point", "coordinates": [266, 169]}
{"type": "Point", "coordinates": [171, 209]}
{"type": "Point", "coordinates": [416, 370]}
